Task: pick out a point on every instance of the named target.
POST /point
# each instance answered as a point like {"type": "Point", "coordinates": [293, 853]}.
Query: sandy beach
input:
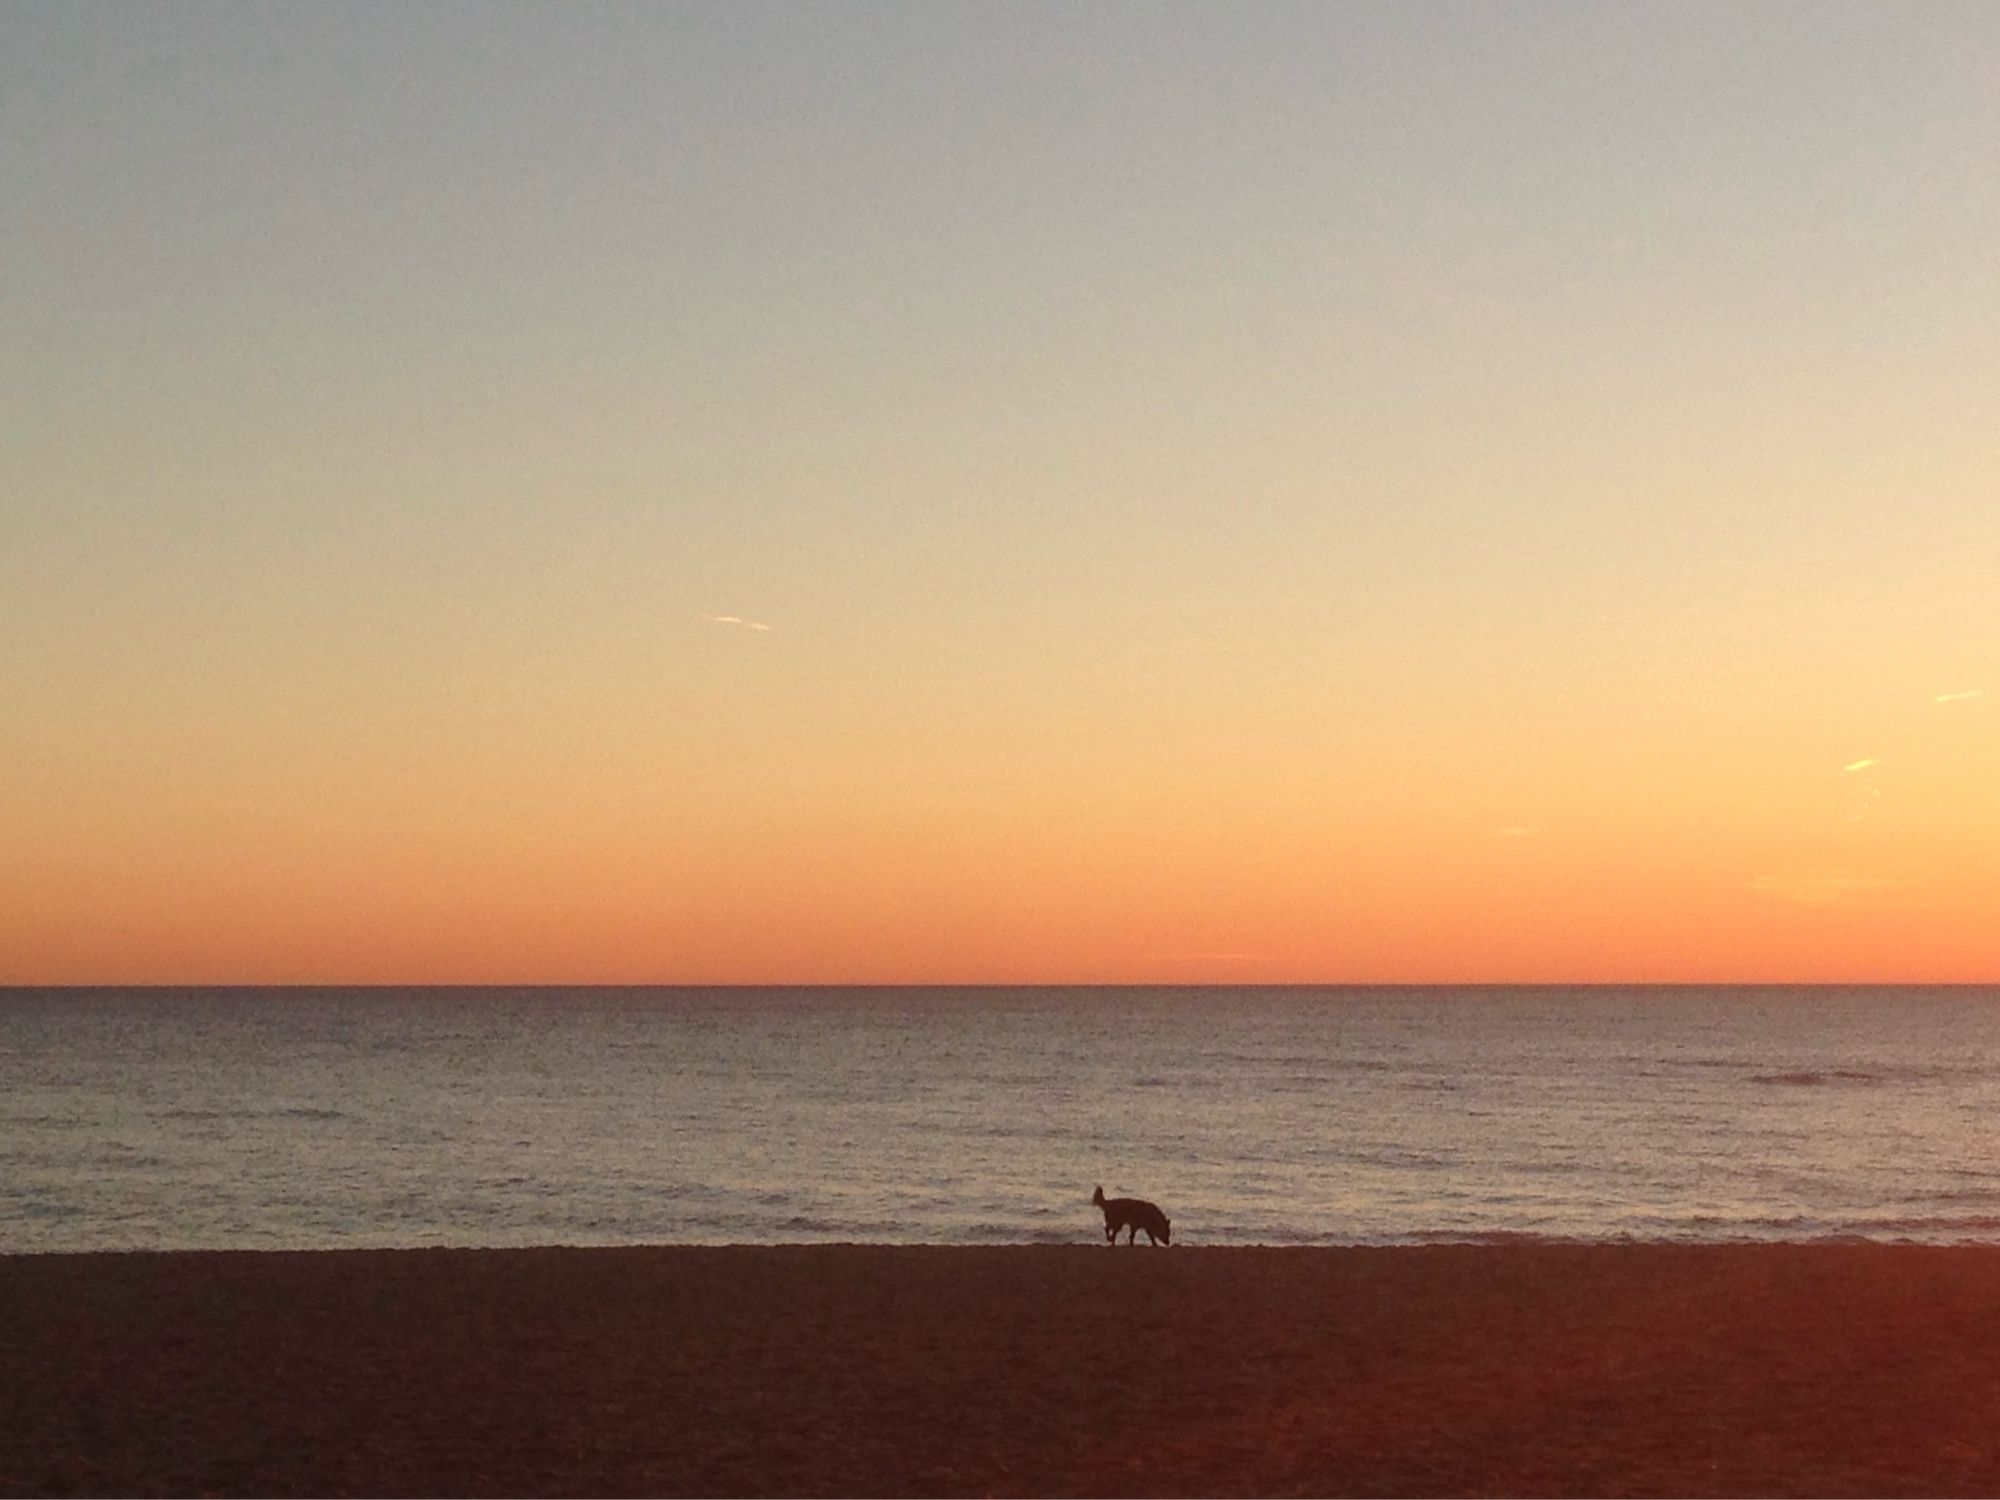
{"type": "Point", "coordinates": [1510, 1369]}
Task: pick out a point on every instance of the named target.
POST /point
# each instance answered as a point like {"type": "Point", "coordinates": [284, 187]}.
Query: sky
{"type": "Point", "coordinates": [999, 493]}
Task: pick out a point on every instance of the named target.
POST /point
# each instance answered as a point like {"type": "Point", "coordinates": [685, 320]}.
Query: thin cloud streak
{"type": "Point", "coordinates": [736, 620]}
{"type": "Point", "coordinates": [1961, 697]}
{"type": "Point", "coordinates": [1860, 765]}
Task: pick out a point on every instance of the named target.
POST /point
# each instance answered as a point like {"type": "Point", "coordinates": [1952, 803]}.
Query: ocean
{"type": "Point", "coordinates": [316, 1118]}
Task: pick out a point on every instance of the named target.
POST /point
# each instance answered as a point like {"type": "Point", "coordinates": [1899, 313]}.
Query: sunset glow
{"type": "Point", "coordinates": [723, 494]}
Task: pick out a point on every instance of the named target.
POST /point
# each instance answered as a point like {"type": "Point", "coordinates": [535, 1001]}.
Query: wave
{"type": "Point", "coordinates": [275, 1112]}
{"type": "Point", "coordinates": [1292, 1062]}
{"type": "Point", "coordinates": [1967, 1196]}
{"type": "Point", "coordinates": [1808, 1079]}
{"type": "Point", "coordinates": [1963, 1228]}
{"type": "Point", "coordinates": [1868, 1071]}
{"type": "Point", "coordinates": [1394, 1156]}
{"type": "Point", "coordinates": [813, 1224]}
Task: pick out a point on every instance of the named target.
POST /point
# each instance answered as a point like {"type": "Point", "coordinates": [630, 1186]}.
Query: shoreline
{"type": "Point", "coordinates": [1828, 1367]}
{"type": "Point", "coordinates": [1501, 1241]}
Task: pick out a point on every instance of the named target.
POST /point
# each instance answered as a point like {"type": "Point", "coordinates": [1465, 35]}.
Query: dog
{"type": "Point", "coordinates": [1132, 1215]}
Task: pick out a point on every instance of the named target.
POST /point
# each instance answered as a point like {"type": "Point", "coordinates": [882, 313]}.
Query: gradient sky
{"type": "Point", "coordinates": [999, 493]}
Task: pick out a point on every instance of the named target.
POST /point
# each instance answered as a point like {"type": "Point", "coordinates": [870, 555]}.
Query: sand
{"type": "Point", "coordinates": [1495, 1369]}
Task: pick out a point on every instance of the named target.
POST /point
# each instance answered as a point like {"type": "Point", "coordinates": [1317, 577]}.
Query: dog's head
{"type": "Point", "coordinates": [1166, 1230]}
{"type": "Point", "coordinates": [1097, 1198]}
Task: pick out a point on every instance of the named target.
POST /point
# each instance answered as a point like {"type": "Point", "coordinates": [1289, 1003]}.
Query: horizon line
{"type": "Point", "coordinates": [7, 986]}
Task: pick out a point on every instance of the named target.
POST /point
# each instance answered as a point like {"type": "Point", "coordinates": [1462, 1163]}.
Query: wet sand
{"type": "Point", "coordinates": [1510, 1369]}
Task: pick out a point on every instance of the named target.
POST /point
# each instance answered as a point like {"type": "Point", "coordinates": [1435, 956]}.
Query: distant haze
{"type": "Point", "coordinates": [863, 493]}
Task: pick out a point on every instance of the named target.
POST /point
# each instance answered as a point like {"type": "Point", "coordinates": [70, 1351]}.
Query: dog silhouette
{"type": "Point", "coordinates": [1132, 1215]}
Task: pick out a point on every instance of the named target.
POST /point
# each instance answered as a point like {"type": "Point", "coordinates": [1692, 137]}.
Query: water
{"type": "Point", "coordinates": [266, 1118]}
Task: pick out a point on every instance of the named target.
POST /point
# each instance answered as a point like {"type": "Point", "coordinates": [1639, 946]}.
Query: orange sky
{"type": "Point", "coordinates": [905, 495]}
